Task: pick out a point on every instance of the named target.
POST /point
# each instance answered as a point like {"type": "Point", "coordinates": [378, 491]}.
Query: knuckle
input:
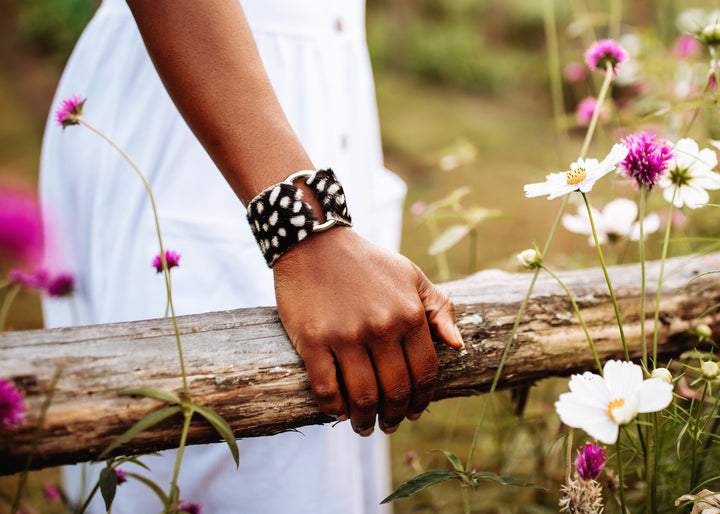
{"type": "Point", "coordinates": [426, 380]}
{"type": "Point", "coordinates": [398, 396]}
{"type": "Point", "coordinates": [326, 394]}
{"type": "Point", "coordinates": [365, 402]}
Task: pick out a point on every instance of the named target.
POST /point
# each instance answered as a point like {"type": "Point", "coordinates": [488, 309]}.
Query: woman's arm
{"type": "Point", "coordinates": [360, 317]}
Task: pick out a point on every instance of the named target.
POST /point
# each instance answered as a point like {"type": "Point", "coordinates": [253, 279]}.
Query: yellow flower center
{"type": "Point", "coordinates": [614, 405]}
{"type": "Point", "coordinates": [575, 175]}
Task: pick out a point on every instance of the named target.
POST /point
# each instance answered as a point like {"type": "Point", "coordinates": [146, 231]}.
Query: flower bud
{"type": "Point", "coordinates": [710, 369]}
{"type": "Point", "coordinates": [703, 330]}
{"type": "Point", "coordinates": [530, 259]}
{"type": "Point", "coordinates": [662, 374]}
{"type": "Point", "coordinates": [710, 35]}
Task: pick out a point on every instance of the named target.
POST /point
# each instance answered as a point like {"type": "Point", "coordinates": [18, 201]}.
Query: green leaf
{"type": "Point", "coordinates": [108, 485]}
{"type": "Point", "coordinates": [222, 428]}
{"type": "Point", "coordinates": [449, 238]}
{"type": "Point", "coordinates": [454, 459]}
{"type": "Point", "coordinates": [154, 393]}
{"type": "Point", "coordinates": [134, 460]}
{"type": "Point", "coordinates": [504, 480]}
{"type": "Point", "coordinates": [420, 482]}
{"type": "Point", "coordinates": [145, 423]}
{"type": "Point", "coordinates": [155, 488]}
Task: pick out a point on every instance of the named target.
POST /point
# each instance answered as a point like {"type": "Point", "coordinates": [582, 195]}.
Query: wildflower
{"type": "Point", "coordinates": [662, 374]}
{"type": "Point", "coordinates": [710, 35]}
{"type": "Point", "coordinates": [22, 278]}
{"type": "Point", "coordinates": [192, 508]}
{"type": "Point", "coordinates": [11, 404]}
{"type": "Point", "coordinates": [418, 208]}
{"type": "Point", "coordinates": [582, 175]}
{"type": "Point", "coordinates": [590, 461]}
{"type": "Point", "coordinates": [574, 72]}
{"type": "Point", "coordinates": [70, 111]}
{"type": "Point", "coordinates": [599, 405]}
{"type": "Point", "coordinates": [61, 285]}
{"type": "Point", "coordinates": [52, 493]}
{"type": "Point", "coordinates": [704, 332]}
{"type": "Point", "coordinates": [529, 259]}
{"type": "Point", "coordinates": [21, 232]}
{"type": "Point", "coordinates": [121, 476]}
{"type": "Point", "coordinates": [603, 52]}
{"type": "Point", "coordinates": [581, 497]}
{"type": "Point", "coordinates": [614, 222]}
{"type": "Point", "coordinates": [585, 110]}
{"type": "Point", "coordinates": [710, 369]}
{"type": "Point", "coordinates": [687, 46]}
{"type": "Point", "coordinates": [172, 258]}
{"type": "Point", "coordinates": [690, 174]}
{"type": "Point", "coordinates": [647, 159]}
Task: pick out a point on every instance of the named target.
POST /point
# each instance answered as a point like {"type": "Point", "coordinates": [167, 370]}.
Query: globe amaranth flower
{"type": "Point", "coordinates": [582, 175]}
{"type": "Point", "coordinates": [61, 285]}
{"type": "Point", "coordinates": [192, 508]}
{"type": "Point", "coordinates": [604, 52]}
{"type": "Point", "coordinates": [600, 405]}
{"type": "Point", "coordinates": [21, 230]}
{"type": "Point", "coordinates": [590, 461]}
{"type": "Point", "coordinates": [70, 111]}
{"type": "Point", "coordinates": [615, 222]}
{"type": "Point", "coordinates": [121, 476]}
{"type": "Point", "coordinates": [52, 493]}
{"type": "Point", "coordinates": [585, 110]}
{"type": "Point", "coordinates": [172, 258]}
{"type": "Point", "coordinates": [647, 160]}
{"type": "Point", "coordinates": [690, 175]}
{"type": "Point", "coordinates": [11, 404]}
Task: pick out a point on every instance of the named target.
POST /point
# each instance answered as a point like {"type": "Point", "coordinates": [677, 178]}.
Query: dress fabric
{"type": "Point", "coordinates": [100, 227]}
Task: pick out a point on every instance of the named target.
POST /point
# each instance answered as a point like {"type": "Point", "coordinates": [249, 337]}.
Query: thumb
{"type": "Point", "coordinates": [440, 311]}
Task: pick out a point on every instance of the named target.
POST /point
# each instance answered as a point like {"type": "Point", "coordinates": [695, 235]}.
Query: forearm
{"type": "Point", "coordinates": [206, 57]}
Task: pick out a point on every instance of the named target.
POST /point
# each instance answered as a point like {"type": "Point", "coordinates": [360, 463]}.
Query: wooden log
{"type": "Point", "coordinates": [241, 364]}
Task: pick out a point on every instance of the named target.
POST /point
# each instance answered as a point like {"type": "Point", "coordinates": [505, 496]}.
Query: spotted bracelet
{"type": "Point", "coordinates": [279, 218]}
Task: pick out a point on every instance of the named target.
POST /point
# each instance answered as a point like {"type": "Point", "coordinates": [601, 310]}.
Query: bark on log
{"type": "Point", "coordinates": [241, 364]}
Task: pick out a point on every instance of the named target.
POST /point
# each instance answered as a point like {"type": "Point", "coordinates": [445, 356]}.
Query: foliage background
{"type": "Point", "coordinates": [447, 71]}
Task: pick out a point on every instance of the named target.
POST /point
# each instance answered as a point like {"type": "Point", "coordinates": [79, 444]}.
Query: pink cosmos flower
{"type": "Point", "coordinates": [647, 159]}
{"type": "Point", "coordinates": [11, 404]}
{"type": "Point", "coordinates": [121, 476]}
{"type": "Point", "coordinates": [21, 232]}
{"type": "Point", "coordinates": [603, 52]}
{"type": "Point", "coordinates": [590, 461]}
{"type": "Point", "coordinates": [585, 110]}
{"type": "Point", "coordinates": [192, 508]}
{"type": "Point", "coordinates": [172, 258]}
{"type": "Point", "coordinates": [70, 111]}
{"type": "Point", "coordinates": [52, 493]}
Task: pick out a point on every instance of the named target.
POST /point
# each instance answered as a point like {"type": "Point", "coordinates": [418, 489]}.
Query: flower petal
{"type": "Point", "coordinates": [618, 216]}
{"type": "Point", "coordinates": [622, 378]}
{"type": "Point", "coordinates": [604, 430]}
{"type": "Point", "coordinates": [654, 394]}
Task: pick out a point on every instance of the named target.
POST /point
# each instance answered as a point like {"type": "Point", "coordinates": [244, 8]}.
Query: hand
{"type": "Point", "coordinates": [361, 318]}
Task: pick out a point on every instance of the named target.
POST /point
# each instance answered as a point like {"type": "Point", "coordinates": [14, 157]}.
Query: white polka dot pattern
{"type": "Point", "coordinates": [280, 219]}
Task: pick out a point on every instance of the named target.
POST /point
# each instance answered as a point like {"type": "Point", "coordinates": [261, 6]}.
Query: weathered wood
{"type": "Point", "coordinates": [241, 364]}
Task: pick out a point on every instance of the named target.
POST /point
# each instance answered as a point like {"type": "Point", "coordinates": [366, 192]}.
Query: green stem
{"type": "Point", "coordinates": [643, 195]}
{"type": "Point", "coordinates": [577, 311]}
{"type": "Point", "coordinates": [666, 241]}
{"type": "Point", "coordinates": [696, 438]}
{"type": "Point", "coordinates": [86, 504]}
{"type": "Point", "coordinates": [36, 435]}
{"type": "Point", "coordinates": [472, 258]}
{"type": "Point", "coordinates": [556, 91]}
{"type": "Point", "coordinates": [174, 496]}
{"type": "Point", "coordinates": [7, 302]}
{"type": "Point", "coordinates": [466, 498]}
{"type": "Point", "coordinates": [166, 272]}
{"type": "Point", "coordinates": [607, 278]}
{"type": "Point", "coordinates": [621, 482]}
{"type": "Point", "coordinates": [596, 113]}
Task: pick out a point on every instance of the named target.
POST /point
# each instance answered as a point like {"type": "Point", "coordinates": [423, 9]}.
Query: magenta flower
{"type": "Point", "coordinates": [687, 46]}
{"type": "Point", "coordinates": [574, 72]}
{"type": "Point", "coordinates": [647, 159]}
{"type": "Point", "coordinates": [21, 232]}
{"type": "Point", "coordinates": [586, 109]}
{"type": "Point", "coordinates": [22, 278]}
{"type": "Point", "coordinates": [11, 404]}
{"type": "Point", "coordinates": [70, 111]}
{"type": "Point", "coordinates": [590, 461]}
{"type": "Point", "coordinates": [603, 52]}
{"type": "Point", "coordinates": [121, 476]}
{"type": "Point", "coordinates": [172, 258]}
{"type": "Point", "coordinates": [61, 285]}
{"type": "Point", "coordinates": [192, 508]}
{"type": "Point", "coordinates": [52, 493]}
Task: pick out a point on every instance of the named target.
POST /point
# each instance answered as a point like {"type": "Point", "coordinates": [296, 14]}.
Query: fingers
{"type": "Point", "coordinates": [423, 365]}
{"type": "Point", "coordinates": [321, 369]}
{"type": "Point", "coordinates": [440, 311]}
{"type": "Point", "coordinates": [394, 383]}
{"type": "Point", "coordinates": [361, 388]}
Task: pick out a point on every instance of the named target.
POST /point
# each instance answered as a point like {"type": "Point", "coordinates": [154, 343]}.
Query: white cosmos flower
{"type": "Point", "coordinates": [615, 221]}
{"type": "Point", "coordinates": [690, 175]}
{"type": "Point", "coordinates": [599, 405]}
{"type": "Point", "coordinates": [582, 175]}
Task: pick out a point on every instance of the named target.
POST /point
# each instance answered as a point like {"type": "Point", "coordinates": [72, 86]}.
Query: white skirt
{"type": "Point", "coordinates": [100, 227]}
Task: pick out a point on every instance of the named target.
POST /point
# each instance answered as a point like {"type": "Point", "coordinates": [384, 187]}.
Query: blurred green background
{"type": "Point", "coordinates": [464, 80]}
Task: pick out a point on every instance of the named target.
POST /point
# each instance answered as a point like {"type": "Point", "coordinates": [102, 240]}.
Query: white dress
{"type": "Point", "coordinates": [100, 227]}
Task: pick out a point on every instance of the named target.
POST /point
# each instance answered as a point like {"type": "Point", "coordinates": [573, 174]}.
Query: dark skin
{"type": "Point", "coordinates": [350, 307]}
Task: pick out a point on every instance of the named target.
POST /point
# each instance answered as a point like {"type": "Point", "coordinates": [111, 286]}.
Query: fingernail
{"type": "Point", "coordinates": [341, 417]}
{"type": "Point", "coordinates": [391, 430]}
{"type": "Point", "coordinates": [414, 417]}
{"type": "Point", "coordinates": [365, 433]}
{"type": "Point", "coordinates": [459, 336]}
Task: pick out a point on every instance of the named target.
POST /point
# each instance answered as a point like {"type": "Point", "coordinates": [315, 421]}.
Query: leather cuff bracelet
{"type": "Point", "coordinates": [280, 219]}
